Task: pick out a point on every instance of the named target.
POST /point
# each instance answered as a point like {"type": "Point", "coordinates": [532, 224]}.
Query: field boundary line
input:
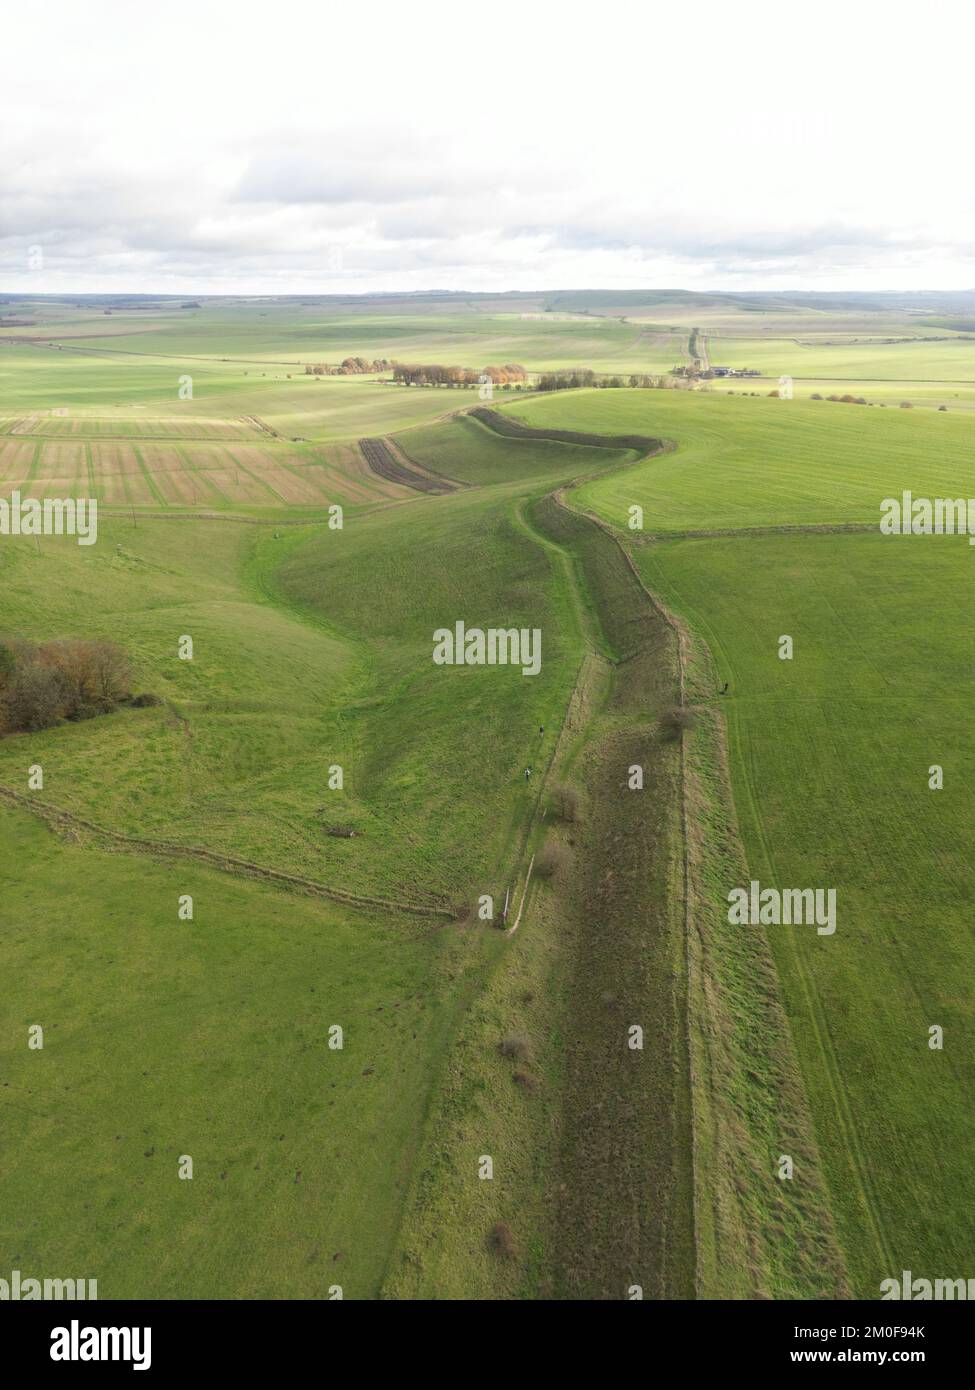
{"type": "Point", "coordinates": [65, 437]}
{"type": "Point", "coordinates": [682, 640]}
{"type": "Point", "coordinates": [57, 819]}
{"type": "Point", "coordinates": [488, 417]}
{"type": "Point", "coordinates": [814, 528]}
{"type": "Point", "coordinates": [681, 636]}
{"type": "Point", "coordinates": [685, 925]}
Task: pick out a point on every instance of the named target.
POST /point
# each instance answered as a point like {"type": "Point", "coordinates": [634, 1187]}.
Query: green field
{"type": "Point", "coordinates": [208, 1039]}
{"type": "Point", "coordinates": [831, 755]}
{"type": "Point", "coordinates": [744, 464]}
{"type": "Point", "coordinates": [877, 360]}
{"type": "Point", "coordinates": [312, 649]}
{"type": "Point", "coordinates": [830, 765]}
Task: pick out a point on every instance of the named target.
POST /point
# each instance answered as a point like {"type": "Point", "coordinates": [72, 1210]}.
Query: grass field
{"type": "Point", "coordinates": [922, 359]}
{"type": "Point", "coordinates": [97, 397]}
{"type": "Point", "coordinates": [831, 758]}
{"type": "Point", "coordinates": [753, 463]}
{"type": "Point", "coordinates": [884, 363]}
{"type": "Point", "coordinates": [208, 1038]}
{"type": "Point", "coordinates": [287, 334]}
{"type": "Point", "coordinates": [236, 763]}
{"type": "Point", "coordinates": [830, 765]}
{"type": "Point", "coordinates": [468, 450]}
{"type": "Point", "coordinates": [313, 649]}
{"type": "Point", "coordinates": [294, 669]}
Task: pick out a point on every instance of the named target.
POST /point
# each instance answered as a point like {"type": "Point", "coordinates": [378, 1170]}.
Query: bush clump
{"type": "Point", "coordinates": [73, 678]}
{"type": "Point", "coordinates": [565, 804]}
{"type": "Point", "coordinates": [517, 1047]}
{"type": "Point", "coordinates": [501, 1241]}
{"type": "Point", "coordinates": [677, 721]}
{"type": "Point", "coordinates": [551, 860]}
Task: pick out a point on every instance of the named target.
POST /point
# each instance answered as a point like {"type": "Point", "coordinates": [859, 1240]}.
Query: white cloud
{"type": "Point", "coordinates": [208, 147]}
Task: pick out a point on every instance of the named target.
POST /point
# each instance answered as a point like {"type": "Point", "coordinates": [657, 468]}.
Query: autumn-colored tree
{"type": "Point", "coordinates": [68, 679]}
{"type": "Point", "coordinates": [35, 698]}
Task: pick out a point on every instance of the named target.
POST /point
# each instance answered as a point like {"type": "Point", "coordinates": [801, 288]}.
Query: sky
{"type": "Point", "coordinates": [239, 148]}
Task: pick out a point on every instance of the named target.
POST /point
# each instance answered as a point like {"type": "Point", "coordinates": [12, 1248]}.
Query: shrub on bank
{"type": "Point", "coordinates": [72, 678]}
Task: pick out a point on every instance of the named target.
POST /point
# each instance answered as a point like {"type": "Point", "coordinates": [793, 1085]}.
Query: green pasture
{"type": "Point", "coordinates": [873, 361]}
{"type": "Point", "coordinates": [208, 1038]}
{"type": "Point", "coordinates": [831, 756]}
{"type": "Point", "coordinates": [313, 649]}
{"type": "Point", "coordinates": [749, 463]}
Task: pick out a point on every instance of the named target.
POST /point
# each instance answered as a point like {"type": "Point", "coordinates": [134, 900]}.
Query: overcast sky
{"type": "Point", "coordinates": [221, 147]}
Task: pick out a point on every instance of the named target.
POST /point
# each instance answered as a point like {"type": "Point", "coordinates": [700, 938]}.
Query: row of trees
{"type": "Point", "coordinates": [847, 399]}
{"type": "Point", "coordinates": [434, 374]}
{"type": "Point", "coordinates": [564, 381]}
{"type": "Point", "coordinates": [584, 376]}
{"type": "Point", "coordinates": [349, 366]}
{"type": "Point", "coordinates": [41, 684]}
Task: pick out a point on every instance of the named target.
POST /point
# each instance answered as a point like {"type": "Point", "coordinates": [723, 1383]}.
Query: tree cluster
{"type": "Point", "coordinates": [846, 400]}
{"type": "Point", "coordinates": [566, 380]}
{"type": "Point", "coordinates": [583, 376]}
{"type": "Point", "coordinates": [433, 374]}
{"type": "Point", "coordinates": [73, 678]}
{"type": "Point", "coordinates": [349, 366]}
